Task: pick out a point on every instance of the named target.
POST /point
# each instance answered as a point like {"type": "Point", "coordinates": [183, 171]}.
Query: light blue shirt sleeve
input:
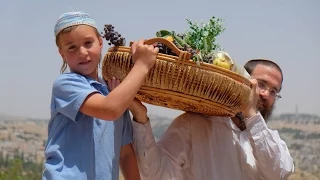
{"type": "Point", "coordinates": [69, 92]}
{"type": "Point", "coordinates": [127, 131]}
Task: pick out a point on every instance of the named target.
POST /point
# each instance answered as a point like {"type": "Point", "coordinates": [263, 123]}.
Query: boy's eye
{"type": "Point", "coordinates": [88, 43]}
{"type": "Point", "coordinates": [71, 47]}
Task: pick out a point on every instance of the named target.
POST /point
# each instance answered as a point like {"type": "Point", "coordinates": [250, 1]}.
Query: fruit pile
{"type": "Point", "coordinates": [198, 40]}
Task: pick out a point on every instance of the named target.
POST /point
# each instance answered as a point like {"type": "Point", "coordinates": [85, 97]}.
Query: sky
{"type": "Point", "coordinates": [286, 32]}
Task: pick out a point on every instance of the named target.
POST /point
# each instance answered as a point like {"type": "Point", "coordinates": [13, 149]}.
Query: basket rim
{"type": "Point", "coordinates": [203, 65]}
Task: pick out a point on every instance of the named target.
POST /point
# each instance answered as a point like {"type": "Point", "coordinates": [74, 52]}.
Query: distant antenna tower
{"type": "Point", "coordinates": [296, 112]}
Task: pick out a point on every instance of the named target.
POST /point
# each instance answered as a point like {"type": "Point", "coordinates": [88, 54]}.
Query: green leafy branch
{"type": "Point", "coordinates": [203, 37]}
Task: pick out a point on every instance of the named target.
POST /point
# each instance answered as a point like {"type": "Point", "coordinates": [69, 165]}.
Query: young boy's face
{"type": "Point", "coordinates": [81, 49]}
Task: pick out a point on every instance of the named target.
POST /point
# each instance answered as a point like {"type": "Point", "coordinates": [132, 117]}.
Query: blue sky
{"type": "Point", "coordinates": [285, 31]}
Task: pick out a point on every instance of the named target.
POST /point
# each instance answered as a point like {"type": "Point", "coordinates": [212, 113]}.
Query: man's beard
{"type": "Point", "coordinates": [263, 108]}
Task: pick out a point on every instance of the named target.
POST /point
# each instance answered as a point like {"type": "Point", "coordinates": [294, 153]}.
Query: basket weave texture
{"type": "Point", "coordinates": [177, 82]}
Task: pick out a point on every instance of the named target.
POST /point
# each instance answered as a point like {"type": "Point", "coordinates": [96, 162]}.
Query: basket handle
{"type": "Point", "coordinates": [168, 43]}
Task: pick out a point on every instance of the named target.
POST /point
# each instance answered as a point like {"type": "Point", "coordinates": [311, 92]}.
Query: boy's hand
{"type": "Point", "coordinates": [113, 83]}
{"type": "Point", "coordinates": [144, 55]}
{"type": "Point", "coordinates": [139, 111]}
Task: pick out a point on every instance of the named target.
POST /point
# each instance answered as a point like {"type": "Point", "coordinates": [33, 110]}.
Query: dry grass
{"type": "Point", "coordinates": [312, 128]}
{"type": "Point", "coordinates": [299, 175]}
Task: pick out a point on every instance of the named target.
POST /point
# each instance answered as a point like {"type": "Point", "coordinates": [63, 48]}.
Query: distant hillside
{"type": "Point", "coordinates": [5, 117]}
{"type": "Point", "coordinates": [300, 116]}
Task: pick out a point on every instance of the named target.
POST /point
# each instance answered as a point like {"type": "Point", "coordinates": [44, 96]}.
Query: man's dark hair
{"type": "Point", "coordinates": [251, 65]}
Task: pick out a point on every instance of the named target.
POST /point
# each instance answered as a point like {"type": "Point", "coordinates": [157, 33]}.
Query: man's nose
{"type": "Point", "coordinates": [265, 94]}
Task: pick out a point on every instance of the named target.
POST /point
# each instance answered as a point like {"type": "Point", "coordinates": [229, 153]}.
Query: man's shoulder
{"type": "Point", "coordinates": [191, 115]}
{"type": "Point", "coordinates": [187, 118]}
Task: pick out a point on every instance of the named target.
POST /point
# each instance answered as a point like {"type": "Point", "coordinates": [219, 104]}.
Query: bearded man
{"type": "Point", "coordinates": [201, 147]}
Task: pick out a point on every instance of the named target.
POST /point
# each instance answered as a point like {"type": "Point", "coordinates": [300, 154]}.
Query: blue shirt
{"type": "Point", "coordinates": [79, 146]}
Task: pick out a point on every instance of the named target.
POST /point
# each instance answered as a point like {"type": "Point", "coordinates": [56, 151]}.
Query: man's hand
{"type": "Point", "coordinates": [251, 108]}
{"type": "Point", "coordinates": [139, 111]}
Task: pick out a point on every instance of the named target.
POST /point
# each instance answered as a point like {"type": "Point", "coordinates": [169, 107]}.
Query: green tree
{"type": "Point", "coordinates": [16, 153]}
{"type": "Point", "coordinates": [1, 158]}
{"type": "Point", "coordinates": [22, 156]}
{"type": "Point", "coordinates": [20, 170]}
{"type": "Point", "coordinates": [6, 162]}
{"type": "Point", "coordinates": [14, 172]}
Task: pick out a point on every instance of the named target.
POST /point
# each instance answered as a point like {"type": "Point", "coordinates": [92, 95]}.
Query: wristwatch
{"type": "Point", "coordinates": [239, 115]}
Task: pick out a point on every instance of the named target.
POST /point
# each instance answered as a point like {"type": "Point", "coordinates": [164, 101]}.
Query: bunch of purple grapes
{"type": "Point", "coordinates": [166, 50]}
{"type": "Point", "coordinates": [113, 36]}
{"type": "Point", "coordinates": [189, 49]}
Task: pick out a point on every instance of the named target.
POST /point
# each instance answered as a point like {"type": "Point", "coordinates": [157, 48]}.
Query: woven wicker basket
{"type": "Point", "coordinates": [177, 82]}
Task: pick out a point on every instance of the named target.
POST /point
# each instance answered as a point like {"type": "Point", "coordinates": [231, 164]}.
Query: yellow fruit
{"type": "Point", "coordinates": [223, 60]}
{"type": "Point", "coordinates": [222, 63]}
{"type": "Point", "coordinates": [169, 38]}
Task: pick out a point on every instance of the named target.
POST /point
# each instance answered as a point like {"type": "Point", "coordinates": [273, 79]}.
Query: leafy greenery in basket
{"type": "Point", "coordinates": [198, 39]}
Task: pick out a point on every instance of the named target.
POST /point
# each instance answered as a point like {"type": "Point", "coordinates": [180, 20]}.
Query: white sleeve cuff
{"type": "Point", "coordinates": [256, 124]}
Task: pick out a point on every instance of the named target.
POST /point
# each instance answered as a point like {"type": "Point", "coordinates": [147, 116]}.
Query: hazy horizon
{"type": "Point", "coordinates": [284, 31]}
